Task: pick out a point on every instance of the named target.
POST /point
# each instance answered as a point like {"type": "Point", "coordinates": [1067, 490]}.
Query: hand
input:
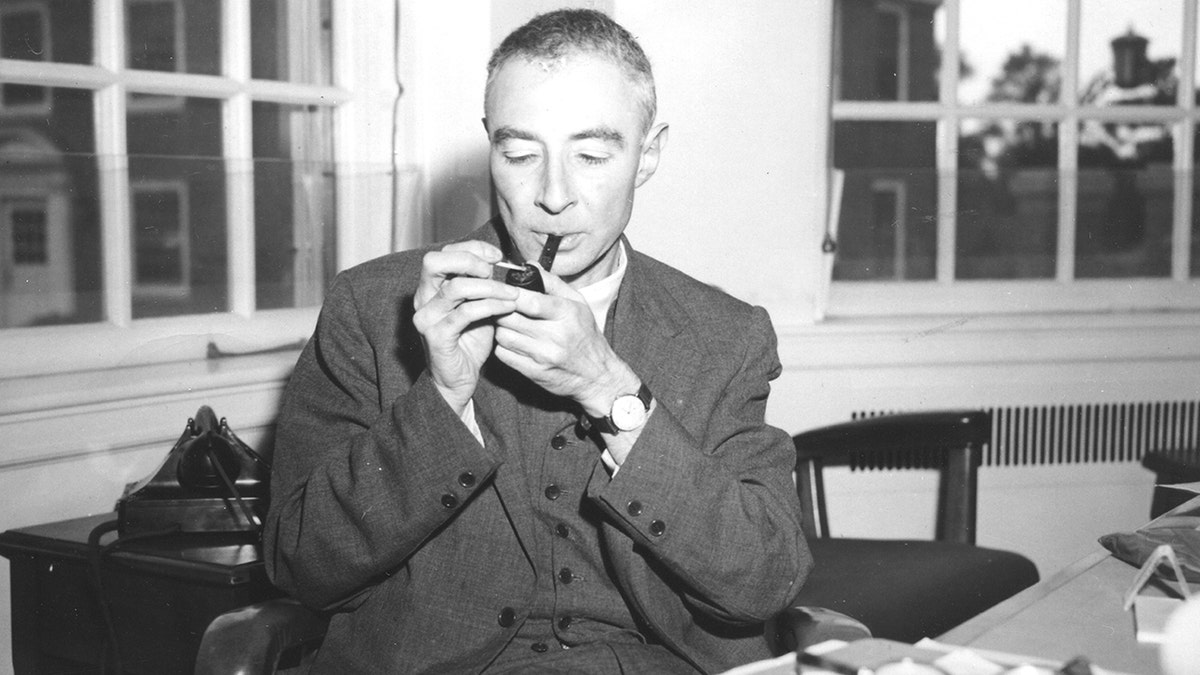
{"type": "Point", "coordinates": [455, 303]}
{"type": "Point", "coordinates": [553, 340]}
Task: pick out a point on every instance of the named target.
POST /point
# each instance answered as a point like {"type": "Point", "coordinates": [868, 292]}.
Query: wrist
{"type": "Point", "coordinates": [599, 401]}
{"type": "Point", "coordinates": [628, 412]}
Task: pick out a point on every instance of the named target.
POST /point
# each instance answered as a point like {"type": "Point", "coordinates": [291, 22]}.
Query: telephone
{"type": "Point", "coordinates": [210, 481]}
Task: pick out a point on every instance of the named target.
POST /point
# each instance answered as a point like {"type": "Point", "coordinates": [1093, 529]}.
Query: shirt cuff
{"type": "Point", "coordinates": [468, 418]}
{"type": "Point", "coordinates": [607, 458]}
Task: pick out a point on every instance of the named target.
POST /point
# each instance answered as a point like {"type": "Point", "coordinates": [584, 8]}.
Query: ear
{"type": "Point", "coordinates": [652, 147]}
{"type": "Point", "coordinates": [485, 126]}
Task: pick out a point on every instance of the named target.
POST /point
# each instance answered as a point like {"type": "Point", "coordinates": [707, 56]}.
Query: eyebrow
{"type": "Point", "coordinates": [511, 134]}
{"type": "Point", "coordinates": [606, 134]}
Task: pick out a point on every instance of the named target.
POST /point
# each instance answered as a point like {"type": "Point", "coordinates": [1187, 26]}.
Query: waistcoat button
{"type": "Point", "coordinates": [449, 501]}
{"type": "Point", "coordinates": [565, 576]}
{"type": "Point", "coordinates": [558, 442]}
{"type": "Point", "coordinates": [553, 492]}
{"type": "Point", "coordinates": [634, 508]}
{"type": "Point", "coordinates": [466, 479]}
{"type": "Point", "coordinates": [507, 617]}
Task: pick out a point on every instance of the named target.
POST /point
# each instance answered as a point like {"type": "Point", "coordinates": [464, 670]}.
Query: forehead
{"type": "Point", "coordinates": [564, 95]}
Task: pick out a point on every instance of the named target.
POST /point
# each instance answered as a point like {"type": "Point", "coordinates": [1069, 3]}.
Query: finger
{"type": "Point", "coordinates": [465, 258]}
{"type": "Point", "coordinates": [555, 286]}
{"type": "Point", "coordinates": [457, 290]}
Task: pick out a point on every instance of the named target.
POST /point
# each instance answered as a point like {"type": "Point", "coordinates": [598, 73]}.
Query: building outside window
{"type": "Point", "coordinates": [1050, 168]}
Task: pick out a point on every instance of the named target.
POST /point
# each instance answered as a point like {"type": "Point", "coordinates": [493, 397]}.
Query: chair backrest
{"type": "Point", "coordinates": [950, 440]}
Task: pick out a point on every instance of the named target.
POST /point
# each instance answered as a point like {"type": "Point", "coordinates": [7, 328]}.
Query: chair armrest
{"type": "Point", "coordinates": [250, 640]}
{"type": "Point", "coordinates": [800, 627]}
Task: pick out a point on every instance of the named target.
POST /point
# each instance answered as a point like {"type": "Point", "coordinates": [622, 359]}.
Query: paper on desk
{"type": "Point", "coordinates": [1150, 614]}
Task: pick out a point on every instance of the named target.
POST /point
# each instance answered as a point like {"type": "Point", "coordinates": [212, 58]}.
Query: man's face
{"type": "Point", "coordinates": [568, 149]}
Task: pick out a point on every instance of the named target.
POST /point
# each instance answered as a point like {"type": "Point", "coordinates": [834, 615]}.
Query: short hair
{"type": "Point", "coordinates": [555, 35]}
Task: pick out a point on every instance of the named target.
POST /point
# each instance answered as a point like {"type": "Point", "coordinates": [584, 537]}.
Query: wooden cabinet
{"type": "Point", "coordinates": [145, 601]}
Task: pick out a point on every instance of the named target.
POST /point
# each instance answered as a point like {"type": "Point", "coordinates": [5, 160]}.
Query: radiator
{"type": "Point", "coordinates": [1093, 433]}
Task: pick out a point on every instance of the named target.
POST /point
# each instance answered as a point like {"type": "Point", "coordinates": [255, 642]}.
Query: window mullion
{"type": "Point", "coordinates": [947, 148]}
{"type": "Point", "coordinates": [1185, 134]}
{"type": "Point", "coordinates": [1068, 150]}
{"type": "Point", "coordinates": [113, 164]}
{"type": "Point", "coordinates": [239, 158]}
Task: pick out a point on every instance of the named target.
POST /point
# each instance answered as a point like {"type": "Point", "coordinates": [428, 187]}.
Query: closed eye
{"type": "Point", "coordinates": [518, 159]}
{"type": "Point", "coordinates": [593, 159]}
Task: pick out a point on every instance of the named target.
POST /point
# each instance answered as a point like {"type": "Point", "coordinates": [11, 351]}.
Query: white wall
{"type": "Point", "coordinates": [738, 201]}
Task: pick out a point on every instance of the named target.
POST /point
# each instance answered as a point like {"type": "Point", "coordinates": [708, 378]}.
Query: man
{"type": "Point", "coordinates": [472, 476]}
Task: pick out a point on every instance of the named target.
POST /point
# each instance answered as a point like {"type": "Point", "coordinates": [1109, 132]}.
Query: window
{"type": "Point", "coordinates": [1050, 169]}
{"type": "Point", "coordinates": [196, 158]}
{"type": "Point", "coordinates": [28, 224]}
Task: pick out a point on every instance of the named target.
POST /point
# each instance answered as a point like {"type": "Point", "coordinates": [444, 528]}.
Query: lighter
{"type": "Point", "coordinates": [526, 275]}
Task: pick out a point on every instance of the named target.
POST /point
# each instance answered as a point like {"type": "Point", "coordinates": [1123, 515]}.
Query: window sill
{"type": "Point", "coordinates": [991, 339]}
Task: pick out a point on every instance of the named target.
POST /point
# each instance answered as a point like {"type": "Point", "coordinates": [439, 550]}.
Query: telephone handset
{"type": "Point", "coordinates": [210, 481]}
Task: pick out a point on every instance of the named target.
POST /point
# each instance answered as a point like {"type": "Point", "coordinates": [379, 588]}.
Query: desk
{"type": "Point", "coordinates": [1077, 611]}
{"type": "Point", "coordinates": [162, 592]}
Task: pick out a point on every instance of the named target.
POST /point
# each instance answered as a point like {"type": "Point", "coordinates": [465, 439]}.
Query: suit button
{"type": "Point", "coordinates": [562, 531]}
{"type": "Point", "coordinates": [507, 617]}
{"type": "Point", "coordinates": [657, 528]}
{"type": "Point", "coordinates": [564, 622]}
{"type": "Point", "coordinates": [466, 479]}
{"type": "Point", "coordinates": [634, 508]}
{"type": "Point", "coordinates": [449, 501]}
{"type": "Point", "coordinates": [553, 492]}
{"type": "Point", "coordinates": [558, 443]}
{"type": "Point", "coordinates": [565, 576]}
{"type": "Point", "coordinates": [539, 647]}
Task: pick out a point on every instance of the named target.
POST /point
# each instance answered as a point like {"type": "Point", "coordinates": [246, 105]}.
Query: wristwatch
{"type": "Point", "coordinates": [628, 412]}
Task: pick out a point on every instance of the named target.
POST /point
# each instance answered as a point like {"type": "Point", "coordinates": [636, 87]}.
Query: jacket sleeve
{"type": "Point", "coordinates": [360, 477]}
{"type": "Point", "coordinates": [706, 493]}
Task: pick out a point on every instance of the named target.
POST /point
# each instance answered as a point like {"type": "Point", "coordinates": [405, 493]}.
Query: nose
{"type": "Point", "coordinates": [556, 194]}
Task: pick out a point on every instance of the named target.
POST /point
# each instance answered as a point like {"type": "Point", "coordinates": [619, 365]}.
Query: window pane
{"type": "Point", "coordinates": [294, 193]}
{"type": "Point", "coordinates": [41, 31]}
{"type": "Point", "coordinates": [175, 36]}
{"type": "Point", "coordinates": [887, 51]}
{"type": "Point", "coordinates": [177, 186]}
{"type": "Point", "coordinates": [1126, 200]}
{"type": "Point", "coordinates": [888, 223]}
{"type": "Point", "coordinates": [1007, 57]}
{"type": "Point", "coordinates": [49, 215]}
{"type": "Point", "coordinates": [1007, 200]}
{"type": "Point", "coordinates": [1128, 51]}
{"type": "Point", "coordinates": [290, 40]}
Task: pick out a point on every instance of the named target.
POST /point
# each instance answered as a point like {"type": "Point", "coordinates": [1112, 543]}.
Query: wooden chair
{"type": "Point", "coordinates": [1170, 467]}
{"type": "Point", "coordinates": [906, 589]}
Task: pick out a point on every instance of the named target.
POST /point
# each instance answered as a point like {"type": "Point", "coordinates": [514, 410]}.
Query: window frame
{"type": "Point", "coordinates": [1064, 293]}
{"type": "Point", "coordinates": [362, 97]}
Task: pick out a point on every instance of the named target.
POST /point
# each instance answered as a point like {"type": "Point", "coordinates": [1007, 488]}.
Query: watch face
{"type": "Point", "coordinates": [628, 412]}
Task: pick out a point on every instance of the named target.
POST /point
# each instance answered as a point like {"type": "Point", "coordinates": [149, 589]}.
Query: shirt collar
{"type": "Point", "coordinates": [600, 295]}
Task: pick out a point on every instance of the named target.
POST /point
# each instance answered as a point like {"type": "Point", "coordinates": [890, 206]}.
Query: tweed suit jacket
{"type": "Point", "coordinates": [387, 512]}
